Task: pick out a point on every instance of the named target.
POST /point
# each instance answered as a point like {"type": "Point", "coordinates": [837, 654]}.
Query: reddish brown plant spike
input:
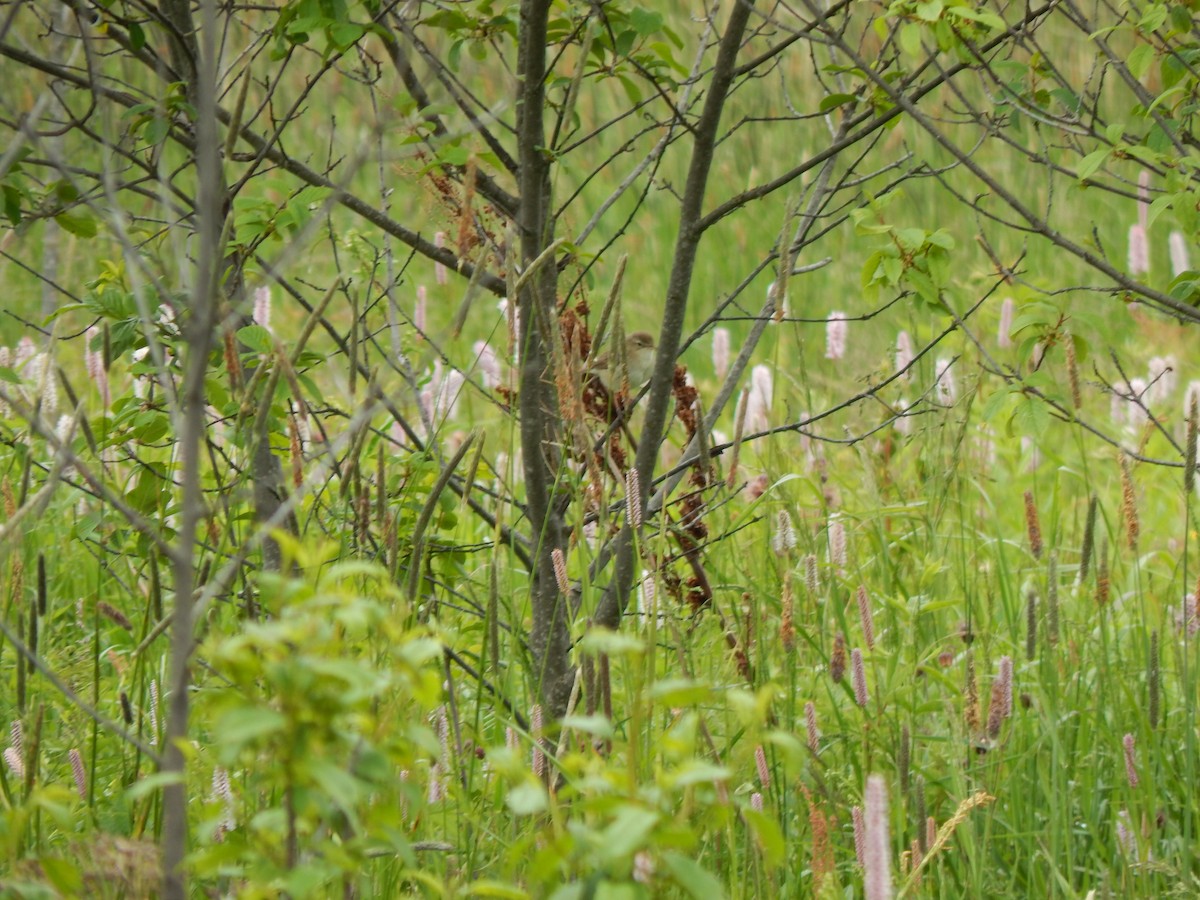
{"type": "Point", "coordinates": [837, 662]}
{"type": "Point", "coordinates": [1102, 584]}
{"type": "Point", "coordinates": [1129, 511]}
{"type": "Point", "coordinates": [113, 614]}
{"type": "Point", "coordinates": [232, 364]}
{"type": "Point", "coordinates": [1032, 526]}
{"type": "Point", "coordinates": [467, 237]}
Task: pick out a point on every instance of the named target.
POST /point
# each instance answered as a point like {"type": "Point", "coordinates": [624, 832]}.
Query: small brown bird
{"type": "Point", "coordinates": [639, 363]}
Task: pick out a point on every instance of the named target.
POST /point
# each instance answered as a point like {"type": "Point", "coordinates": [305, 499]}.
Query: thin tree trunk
{"type": "Point", "coordinates": [541, 424]}
{"type": "Point", "coordinates": [199, 62]}
{"type": "Point", "coordinates": [612, 604]}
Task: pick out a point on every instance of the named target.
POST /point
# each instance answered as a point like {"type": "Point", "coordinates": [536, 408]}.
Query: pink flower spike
{"type": "Point", "coordinates": [758, 404]}
{"type": "Point", "coordinates": [1131, 774]}
{"type": "Point", "coordinates": [720, 352]}
{"type": "Point", "coordinates": [1139, 250]}
{"type": "Point", "coordinates": [865, 617]}
{"type": "Point", "coordinates": [489, 364]}
{"type": "Point", "coordinates": [1004, 333]}
{"type": "Point", "coordinates": [835, 335]}
{"type": "Point", "coordinates": [810, 726]}
{"type": "Point", "coordinates": [877, 878]}
{"type": "Point", "coordinates": [1177, 245]}
{"type": "Point", "coordinates": [419, 310]}
{"type": "Point", "coordinates": [439, 270]}
{"type": "Point", "coordinates": [78, 773]}
{"type": "Point", "coordinates": [860, 837]}
{"type": "Point", "coordinates": [262, 307]}
{"type": "Point", "coordinates": [837, 545]}
{"type": "Point", "coordinates": [764, 771]}
{"type": "Point", "coordinates": [904, 354]}
{"type": "Point", "coordinates": [859, 678]}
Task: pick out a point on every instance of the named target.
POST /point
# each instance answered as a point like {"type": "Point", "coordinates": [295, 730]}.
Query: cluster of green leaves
{"type": "Point", "coordinates": [334, 20]}
{"type": "Point", "coordinates": [908, 257]}
{"type": "Point", "coordinates": [26, 201]}
{"type": "Point", "coordinates": [319, 712]}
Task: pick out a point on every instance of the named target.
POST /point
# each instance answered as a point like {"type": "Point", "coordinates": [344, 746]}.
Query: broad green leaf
{"type": "Point", "coordinates": [1031, 418]}
{"type": "Point", "coordinates": [832, 101]}
{"type": "Point", "coordinates": [148, 784]}
{"type": "Point", "coordinates": [486, 887]}
{"type": "Point", "coordinates": [12, 204]}
{"type": "Point", "coordinates": [645, 23]}
{"type": "Point", "coordinates": [1090, 164]}
{"type": "Point", "coordinates": [628, 832]}
{"type": "Point", "coordinates": [770, 838]}
{"type": "Point", "coordinates": [257, 338]}
{"type": "Point", "coordinates": [246, 724]}
{"type": "Point", "coordinates": [995, 404]}
{"type": "Point", "coordinates": [680, 692]}
{"type": "Point", "coordinates": [612, 643]}
{"type": "Point", "coordinates": [698, 772]}
{"type": "Point", "coordinates": [63, 874]}
{"type": "Point", "coordinates": [78, 224]}
{"type": "Point", "coordinates": [942, 238]}
{"type": "Point", "coordinates": [1139, 60]}
{"type": "Point", "coordinates": [930, 10]}
{"type": "Point", "coordinates": [156, 130]}
{"type": "Point", "coordinates": [693, 877]}
{"type": "Point", "coordinates": [596, 725]}
{"type": "Point", "coordinates": [527, 798]}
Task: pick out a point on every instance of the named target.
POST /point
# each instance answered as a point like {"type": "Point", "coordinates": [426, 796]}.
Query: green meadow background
{"type": "Point", "coordinates": [336, 708]}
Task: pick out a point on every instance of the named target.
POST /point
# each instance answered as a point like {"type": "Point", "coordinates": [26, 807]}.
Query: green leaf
{"type": "Point", "coordinates": [147, 785]}
{"type": "Point", "coordinates": [596, 725]}
{"type": "Point", "coordinates": [989, 20]}
{"type": "Point", "coordinates": [624, 42]}
{"type": "Point", "coordinates": [1090, 164]}
{"type": "Point", "coordinates": [693, 877]}
{"type": "Point", "coordinates": [345, 35]}
{"type": "Point", "coordinates": [628, 832]}
{"type": "Point", "coordinates": [698, 772]}
{"type": "Point", "coordinates": [80, 225]}
{"type": "Point", "coordinates": [527, 799]}
{"type": "Point", "coordinates": [486, 887]}
{"type": "Point", "coordinates": [645, 23]}
{"type": "Point", "coordinates": [146, 492]}
{"type": "Point", "coordinates": [942, 238]}
{"type": "Point", "coordinates": [1139, 59]}
{"type": "Point", "coordinates": [680, 692]}
{"type": "Point", "coordinates": [12, 204]}
{"type": "Point", "coordinates": [930, 10]}
{"type": "Point", "coordinates": [150, 426]}
{"type": "Point", "coordinates": [63, 875]}
{"type": "Point", "coordinates": [447, 20]}
{"type": "Point", "coordinates": [156, 130]}
{"type": "Point", "coordinates": [248, 724]}
{"type": "Point", "coordinates": [256, 338]}
{"type": "Point", "coordinates": [1153, 18]}
{"type": "Point", "coordinates": [995, 404]}
{"type": "Point", "coordinates": [770, 838]}
{"type": "Point", "coordinates": [1031, 418]}
{"type": "Point", "coordinates": [1181, 18]}
{"type": "Point", "coordinates": [611, 643]}
{"type": "Point", "coordinates": [832, 101]}
{"type": "Point", "coordinates": [632, 91]}
{"type": "Point", "coordinates": [911, 239]}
